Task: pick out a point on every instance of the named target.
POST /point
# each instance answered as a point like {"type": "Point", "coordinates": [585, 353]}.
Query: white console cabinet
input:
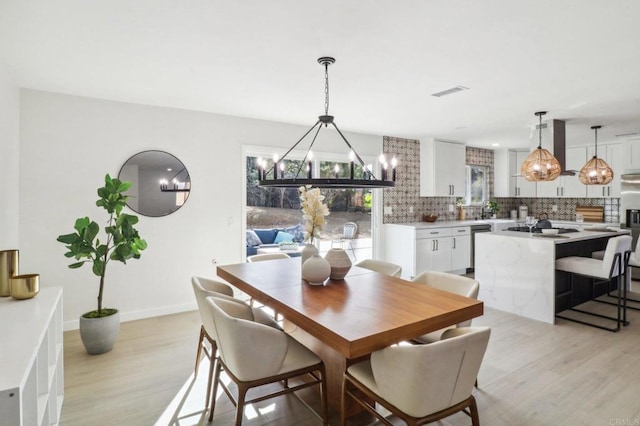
{"type": "Point", "coordinates": [31, 359]}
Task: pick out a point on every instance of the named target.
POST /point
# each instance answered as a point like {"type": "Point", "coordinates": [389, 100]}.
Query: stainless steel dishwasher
{"type": "Point", "coordinates": [474, 230]}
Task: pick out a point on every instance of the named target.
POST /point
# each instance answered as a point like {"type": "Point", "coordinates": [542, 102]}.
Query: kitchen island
{"type": "Point", "coordinates": [516, 270]}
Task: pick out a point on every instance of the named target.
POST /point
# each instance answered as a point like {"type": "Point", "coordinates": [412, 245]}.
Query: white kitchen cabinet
{"type": "Point", "coordinates": [566, 186]}
{"type": "Point", "coordinates": [442, 168]}
{"type": "Point", "coordinates": [521, 186]}
{"type": "Point", "coordinates": [613, 155]}
{"type": "Point", "coordinates": [31, 367]}
{"type": "Point", "coordinates": [460, 248]}
{"type": "Point", "coordinates": [631, 159]}
{"type": "Point", "coordinates": [433, 250]}
{"type": "Point", "coordinates": [446, 249]}
{"type": "Point", "coordinates": [508, 182]}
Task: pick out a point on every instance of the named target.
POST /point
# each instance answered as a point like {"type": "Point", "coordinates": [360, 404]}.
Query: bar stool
{"type": "Point", "coordinates": [613, 266]}
{"type": "Point", "coordinates": [634, 262]}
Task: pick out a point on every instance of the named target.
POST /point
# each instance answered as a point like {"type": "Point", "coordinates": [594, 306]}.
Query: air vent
{"type": "Point", "coordinates": [627, 134]}
{"type": "Point", "coordinates": [450, 91]}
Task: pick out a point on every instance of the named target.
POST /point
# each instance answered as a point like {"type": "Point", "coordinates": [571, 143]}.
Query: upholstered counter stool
{"type": "Point", "coordinates": [634, 262]}
{"type": "Point", "coordinates": [611, 268]}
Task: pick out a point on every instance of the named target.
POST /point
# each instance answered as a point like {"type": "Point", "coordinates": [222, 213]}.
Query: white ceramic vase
{"type": "Point", "coordinates": [315, 270]}
{"type": "Point", "coordinates": [307, 251]}
{"type": "Point", "coordinates": [340, 263]}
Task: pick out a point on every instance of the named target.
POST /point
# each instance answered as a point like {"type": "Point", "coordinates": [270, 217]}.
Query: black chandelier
{"type": "Point", "coordinates": [388, 175]}
{"type": "Point", "coordinates": [174, 185]}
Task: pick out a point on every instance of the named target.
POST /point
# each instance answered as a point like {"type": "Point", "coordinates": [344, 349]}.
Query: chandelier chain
{"type": "Point", "coordinates": [540, 131]}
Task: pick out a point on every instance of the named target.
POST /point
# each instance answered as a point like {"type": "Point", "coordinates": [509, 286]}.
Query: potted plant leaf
{"type": "Point", "coordinates": [493, 207]}
{"type": "Point", "coordinates": [99, 328]}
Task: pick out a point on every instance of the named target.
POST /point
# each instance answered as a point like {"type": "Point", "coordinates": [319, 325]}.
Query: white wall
{"type": "Point", "coordinates": [68, 144]}
{"type": "Point", "coordinates": [9, 149]}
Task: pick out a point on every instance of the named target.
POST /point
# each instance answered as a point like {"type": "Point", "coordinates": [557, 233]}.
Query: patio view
{"type": "Point", "coordinates": [268, 208]}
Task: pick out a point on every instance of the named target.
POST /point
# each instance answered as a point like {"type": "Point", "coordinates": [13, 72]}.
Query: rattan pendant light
{"type": "Point", "coordinates": [596, 171]}
{"type": "Point", "coordinates": [540, 165]}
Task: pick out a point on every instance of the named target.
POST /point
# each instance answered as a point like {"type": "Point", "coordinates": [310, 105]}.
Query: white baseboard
{"type": "Point", "coordinates": [147, 313]}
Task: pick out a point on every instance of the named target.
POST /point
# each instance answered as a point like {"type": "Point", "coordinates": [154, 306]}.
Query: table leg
{"type": "Point", "coordinates": [335, 364]}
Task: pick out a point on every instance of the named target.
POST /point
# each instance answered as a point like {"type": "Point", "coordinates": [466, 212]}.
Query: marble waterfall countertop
{"type": "Point", "coordinates": [570, 237]}
{"type": "Point", "coordinates": [516, 270]}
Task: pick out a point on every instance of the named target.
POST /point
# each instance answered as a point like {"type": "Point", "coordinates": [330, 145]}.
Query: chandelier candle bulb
{"type": "Point", "coordinates": [282, 170]}
{"type": "Point", "coordinates": [394, 163]}
{"type": "Point", "coordinates": [337, 170]}
{"type": "Point", "coordinates": [351, 164]}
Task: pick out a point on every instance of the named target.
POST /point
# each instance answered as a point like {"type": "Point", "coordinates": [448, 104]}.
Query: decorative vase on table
{"type": "Point", "coordinates": [307, 251]}
{"type": "Point", "coordinates": [316, 270]}
{"type": "Point", "coordinates": [340, 263]}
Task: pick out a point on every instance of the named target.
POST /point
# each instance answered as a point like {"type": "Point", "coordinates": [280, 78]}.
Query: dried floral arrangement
{"type": "Point", "coordinates": [313, 212]}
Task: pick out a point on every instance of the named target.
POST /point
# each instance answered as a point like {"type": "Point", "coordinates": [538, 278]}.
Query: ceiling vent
{"type": "Point", "coordinates": [450, 91]}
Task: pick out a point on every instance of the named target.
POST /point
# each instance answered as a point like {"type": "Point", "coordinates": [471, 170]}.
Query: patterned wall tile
{"type": "Point", "coordinates": [406, 194]}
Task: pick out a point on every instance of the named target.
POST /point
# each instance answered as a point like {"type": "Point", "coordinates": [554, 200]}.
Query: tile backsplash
{"type": "Point", "coordinates": [407, 205]}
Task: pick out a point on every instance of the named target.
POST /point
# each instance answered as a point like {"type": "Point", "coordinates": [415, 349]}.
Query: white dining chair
{"type": "Point", "coordinates": [381, 266]}
{"type": "Point", "coordinates": [267, 256]}
{"type": "Point", "coordinates": [420, 383]}
{"type": "Point", "coordinates": [203, 288]}
{"type": "Point", "coordinates": [458, 284]}
{"type": "Point", "coordinates": [253, 355]}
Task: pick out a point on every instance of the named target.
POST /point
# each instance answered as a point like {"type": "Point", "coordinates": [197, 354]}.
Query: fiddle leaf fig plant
{"type": "Point", "coordinates": [121, 243]}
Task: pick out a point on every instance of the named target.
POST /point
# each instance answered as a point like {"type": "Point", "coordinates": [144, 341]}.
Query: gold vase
{"type": "Point", "coordinates": [25, 286]}
{"type": "Point", "coordinates": [8, 268]}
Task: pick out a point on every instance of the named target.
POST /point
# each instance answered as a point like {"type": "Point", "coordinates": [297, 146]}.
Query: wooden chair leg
{"type": "Point", "coordinates": [199, 352]}
{"type": "Point", "coordinates": [242, 393]}
{"type": "Point", "coordinates": [212, 362]}
{"type": "Point", "coordinates": [473, 408]}
{"type": "Point", "coordinates": [216, 379]}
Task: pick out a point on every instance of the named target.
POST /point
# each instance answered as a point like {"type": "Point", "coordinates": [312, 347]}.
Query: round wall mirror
{"type": "Point", "coordinates": [160, 183]}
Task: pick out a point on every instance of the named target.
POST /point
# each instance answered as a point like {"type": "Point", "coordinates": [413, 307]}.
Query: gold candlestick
{"type": "Point", "coordinates": [8, 268]}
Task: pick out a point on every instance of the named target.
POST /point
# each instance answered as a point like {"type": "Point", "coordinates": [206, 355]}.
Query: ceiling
{"type": "Point", "coordinates": [577, 59]}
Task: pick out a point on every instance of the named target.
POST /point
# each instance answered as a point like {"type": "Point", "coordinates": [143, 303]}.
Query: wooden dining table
{"type": "Point", "coordinates": [344, 321]}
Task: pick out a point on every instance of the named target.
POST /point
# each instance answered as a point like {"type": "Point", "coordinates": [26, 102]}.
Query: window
{"type": "Point", "coordinates": [271, 207]}
{"type": "Point", "coordinates": [476, 185]}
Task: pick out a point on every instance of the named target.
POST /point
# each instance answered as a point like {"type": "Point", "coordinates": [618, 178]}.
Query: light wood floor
{"type": "Point", "coordinates": [533, 374]}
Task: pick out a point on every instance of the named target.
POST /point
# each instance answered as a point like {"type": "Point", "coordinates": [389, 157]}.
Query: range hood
{"type": "Point", "coordinates": [554, 140]}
